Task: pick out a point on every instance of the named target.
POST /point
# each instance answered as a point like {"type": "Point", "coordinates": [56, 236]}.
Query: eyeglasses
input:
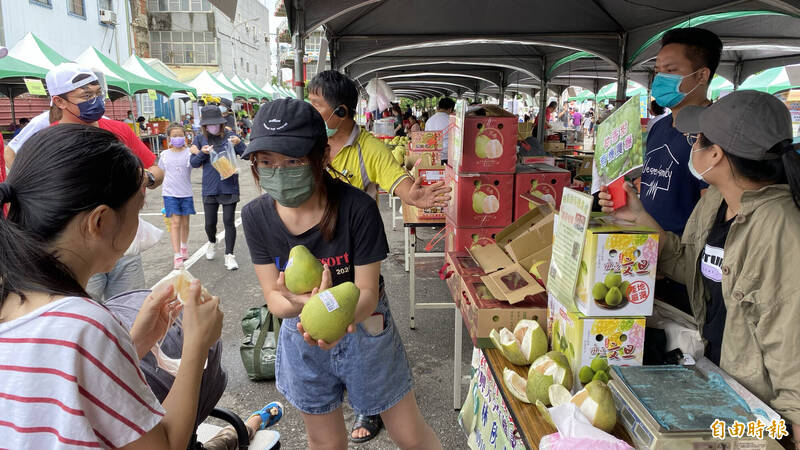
{"type": "Point", "coordinates": [691, 138]}
{"type": "Point", "coordinates": [272, 165]}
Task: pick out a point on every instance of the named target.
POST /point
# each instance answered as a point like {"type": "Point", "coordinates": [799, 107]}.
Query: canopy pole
{"type": "Point", "coordinates": [542, 105]}
{"type": "Point", "coordinates": [299, 51]}
{"type": "Point", "coordinates": [477, 88]}
{"type": "Point", "coordinates": [11, 102]}
{"type": "Point", "coordinates": [737, 75]}
{"type": "Point", "coordinates": [622, 73]}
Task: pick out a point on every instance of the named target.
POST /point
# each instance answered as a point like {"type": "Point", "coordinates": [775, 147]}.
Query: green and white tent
{"type": "Point", "coordinates": [11, 67]}
{"type": "Point", "coordinates": [240, 82]}
{"type": "Point", "coordinates": [117, 76]}
{"type": "Point", "coordinates": [205, 83]}
{"type": "Point", "coordinates": [718, 86]}
{"type": "Point", "coordinates": [609, 91]}
{"type": "Point", "coordinates": [266, 94]}
{"type": "Point", "coordinates": [770, 81]}
{"type": "Point", "coordinates": [244, 93]}
{"type": "Point", "coordinates": [138, 67]}
{"type": "Point", "coordinates": [32, 50]}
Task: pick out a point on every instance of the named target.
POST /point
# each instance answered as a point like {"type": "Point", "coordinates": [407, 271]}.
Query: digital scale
{"type": "Point", "coordinates": [673, 407]}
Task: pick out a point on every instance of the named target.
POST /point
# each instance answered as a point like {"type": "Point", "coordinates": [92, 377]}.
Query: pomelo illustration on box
{"type": "Point", "coordinates": [619, 340]}
{"type": "Point", "coordinates": [461, 239]}
{"type": "Point", "coordinates": [485, 199]}
{"type": "Point", "coordinates": [618, 268]}
{"type": "Point", "coordinates": [543, 191]}
{"type": "Point", "coordinates": [489, 144]}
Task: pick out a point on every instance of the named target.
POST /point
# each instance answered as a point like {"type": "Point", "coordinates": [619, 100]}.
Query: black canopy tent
{"type": "Point", "coordinates": [514, 44]}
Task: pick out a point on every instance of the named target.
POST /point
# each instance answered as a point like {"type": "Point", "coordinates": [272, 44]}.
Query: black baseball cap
{"type": "Point", "coordinates": [210, 115]}
{"type": "Point", "coordinates": [287, 126]}
{"type": "Point", "coordinates": [744, 123]}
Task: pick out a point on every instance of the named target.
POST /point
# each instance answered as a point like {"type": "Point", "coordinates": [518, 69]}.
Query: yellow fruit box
{"type": "Point", "coordinates": [581, 338]}
{"type": "Point", "coordinates": [522, 246]}
{"type": "Point", "coordinates": [618, 269]}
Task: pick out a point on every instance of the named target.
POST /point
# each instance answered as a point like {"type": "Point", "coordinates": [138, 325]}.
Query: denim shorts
{"type": "Point", "coordinates": [180, 206]}
{"type": "Point", "coordinates": [373, 369]}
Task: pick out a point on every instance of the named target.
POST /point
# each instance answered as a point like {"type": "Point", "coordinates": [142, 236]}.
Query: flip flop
{"type": "Point", "coordinates": [372, 424]}
{"type": "Point", "coordinates": [267, 419]}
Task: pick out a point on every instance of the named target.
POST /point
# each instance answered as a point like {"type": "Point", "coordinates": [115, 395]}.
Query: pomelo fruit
{"type": "Point", "coordinates": [533, 339]}
{"type": "Point", "coordinates": [515, 384]}
{"type": "Point", "coordinates": [481, 141]}
{"type": "Point", "coordinates": [600, 375]}
{"type": "Point", "coordinates": [612, 280]}
{"type": "Point", "coordinates": [597, 403]}
{"type": "Point", "coordinates": [507, 343]}
{"type": "Point", "coordinates": [327, 314]}
{"type": "Point", "coordinates": [558, 394]}
{"type": "Point", "coordinates": [599, 291]}
{"type": "Point", "coordinates": [303, 271]}
{"type": "Point", "coordinates": [585, 375]}
{"type": "Point", "coordinates": [550, 368]}
{"type": "Point", "coordinates": [599, 363]}
{"type": "Point", "coordinates": [613, 297]}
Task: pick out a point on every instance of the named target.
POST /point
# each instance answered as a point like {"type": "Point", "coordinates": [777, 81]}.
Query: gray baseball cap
{"type": "Point", "coordinates": [744, 123]}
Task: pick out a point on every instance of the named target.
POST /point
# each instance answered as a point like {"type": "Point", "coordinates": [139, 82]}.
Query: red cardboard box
{"type": "Point", "coordinates": [459, 239]}
{"type": "Point", "coordinates": [426, 140]}
{"type": "Point", "coordinates": [542, 181]}
{"type": "Point", "coordinates": [462, 264]}
{"type": "Point", "coordinates": [480, 199]}
{"type": "Point", "coordinates": [430, 174]}
{"type": "Point", "coordinates": [489, 145]}
{"type": "Point", "coordinates": [482, 313]}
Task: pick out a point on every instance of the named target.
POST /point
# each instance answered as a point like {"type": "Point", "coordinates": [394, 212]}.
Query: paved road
{"type": "Point", "coordinates": [429, 347]}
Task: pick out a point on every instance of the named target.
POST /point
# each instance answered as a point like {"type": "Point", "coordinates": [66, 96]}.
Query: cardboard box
{"type": "Point", "coordinates": [430, 174]}
{"type": "Point", "coordinates": [461, 263]}
{"type": "Point", "coordinates": [507, 262]}
{"type": "Point", "coordinates": [581, 338]}
{"type": "Point", "coordinates": [459, 239]}
{"type": "Point", "coordinates": [483, 313]}
{"type": "Point", "coordinates": [549, 160]}
{"type": "Point", "coordinates": [489, 145]}
{"type": "Point", "coordinates": [554, 145]}
{"type": "Point", "coordinates": [615, 248]}
{"type": "Point", "coordinates": [542, 181]}
{"type": "Point", "coordinates": [427, 157]}
{"type": "Point", "coordinates": [480, 200]}
{"type": "Point", "coordinates": [585, 167]}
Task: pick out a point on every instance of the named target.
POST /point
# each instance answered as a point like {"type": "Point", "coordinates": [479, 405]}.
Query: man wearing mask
{"type": "Point", "coordinates": [440, 121]}
{"type": "Point", "coordinates": [685, 65]}
{"type": "Point", "coordinates": [129, 118]}
{"type": "Point", "coordinates": [79, 97]}
{"type": "Point", "coordinates": [365, 162]}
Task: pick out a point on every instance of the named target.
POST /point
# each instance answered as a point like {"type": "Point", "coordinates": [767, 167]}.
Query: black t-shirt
{"type": "Point", "coordinates": [359, 239]}
{"type": "Point", "coordinates": [711, 269]}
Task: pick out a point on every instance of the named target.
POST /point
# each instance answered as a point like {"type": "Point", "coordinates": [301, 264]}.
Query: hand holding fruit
{"type": "Point", "coordinates": [319, 342]}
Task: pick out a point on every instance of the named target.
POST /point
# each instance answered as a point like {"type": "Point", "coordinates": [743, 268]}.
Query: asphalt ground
{"type": "Point", "coordinates": [429, 346]}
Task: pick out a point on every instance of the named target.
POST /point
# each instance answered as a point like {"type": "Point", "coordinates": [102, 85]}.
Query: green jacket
{"type": "Point", "coordinates": [760, 285]}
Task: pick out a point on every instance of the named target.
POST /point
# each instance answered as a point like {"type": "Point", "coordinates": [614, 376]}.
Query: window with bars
{"type": "Point", "coordinates": [46, 3]}
{"type": "Point", "coordinates": [178, 6]}
{"type": "Point", "coordinates": [105, 4]}
{"type": "Point", "coordinates": [183, 47]}
{"type": "Point", "coordinates": [76, 8]}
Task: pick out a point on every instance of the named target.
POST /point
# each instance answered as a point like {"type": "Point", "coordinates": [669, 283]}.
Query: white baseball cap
{"type": "Point", "coordinates": [61, 78]}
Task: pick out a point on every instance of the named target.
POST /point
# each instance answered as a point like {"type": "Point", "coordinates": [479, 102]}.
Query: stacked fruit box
{"type": "Point", "coordinates": [424, 162]}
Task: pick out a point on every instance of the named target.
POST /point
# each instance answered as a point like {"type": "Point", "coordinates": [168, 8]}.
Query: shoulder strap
{"type": "Point", "coordinates": [263, 331]}
{"type": "Point", "coordinates": [369, 187]}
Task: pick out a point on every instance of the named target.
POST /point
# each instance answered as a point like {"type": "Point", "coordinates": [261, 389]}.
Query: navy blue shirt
{"type": "Point", "coordinates": [669, 190]}
{"type": "Point", "coordinates": [212, 184]}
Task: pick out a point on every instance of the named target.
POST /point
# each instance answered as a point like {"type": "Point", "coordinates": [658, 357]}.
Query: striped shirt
{"type": "Point", "coordinates": [70, 378]}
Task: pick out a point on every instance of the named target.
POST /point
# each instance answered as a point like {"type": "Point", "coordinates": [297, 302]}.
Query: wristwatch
{"type": "Point", "coordinates": [151, 179]}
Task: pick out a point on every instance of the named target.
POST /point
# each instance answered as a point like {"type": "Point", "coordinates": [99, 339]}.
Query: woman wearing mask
{"type": "Point", "coordinates": [70, 369]}
{"type": "Point", "coordinates": [341, 225]}
{"type": "Point", "coordinates": [737, 253]}
{"type": "Point", "coordinates": [216, 191]}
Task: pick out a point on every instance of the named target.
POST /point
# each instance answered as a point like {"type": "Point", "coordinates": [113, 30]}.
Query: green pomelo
{"type": "Point", "coordinates": [478, 200]}
{"type": "Point", "coordinates": [599, 291]}
{"type": "Point", "coordinates": [597, 403]}
{"type": "Point", "coordinates": [585, 375]}
{"type": "Point", "coordinates": [555, 365]}
{"type": "Point", "coordinates": [303, 271]}
{"type": "Point", "coordinates": [537, 388]}
{"type": "Point", "coordinates": [600, 375]}
{"type": "Point", "coordinates": [506, 342]}
{"type": "Point", "coordinates": [480, 145]}
{"type": "Point", "coordinates": [327, 315]}
{"type": "Point", "coordinates": [613, 280]}
{"type": "Point", "coordinates": [613, 297]}
{"type": "Point", "coordinates": [623, 288]}
{"type": "Point", "coordinates": [599, 363]}
{"type": "Point", "coordinates": [533, 339]}
{"type": "Point", "coordinates": [558, 394]}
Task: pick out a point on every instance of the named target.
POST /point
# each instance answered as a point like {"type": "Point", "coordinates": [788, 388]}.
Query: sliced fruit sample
{"type": "Point", "coordinates": [533, 339]}
{"type": "Point", "coordinates": [554, 364]}
{"type": "Point", "coordinates": [506, 342]}
{"type": "Point", "coordinates": [597, 403]}
{"type": "Point", "coordinates": [558, 394]}
{"type": "Point", "coordinates": [515, 384]}
{"type": "Point", "coordinates": [545, 413]}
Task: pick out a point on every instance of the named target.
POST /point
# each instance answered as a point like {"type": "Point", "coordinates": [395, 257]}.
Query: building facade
{"type": "Point", "coordinates": [190, 36]}
{"type": "Point", "coordinates": [69, 26]}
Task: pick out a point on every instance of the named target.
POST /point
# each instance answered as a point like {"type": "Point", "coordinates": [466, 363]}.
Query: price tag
{"type": "Point", "coordinates": [152, 94]}
{"type": "Point", "coordinates": [35, 86]}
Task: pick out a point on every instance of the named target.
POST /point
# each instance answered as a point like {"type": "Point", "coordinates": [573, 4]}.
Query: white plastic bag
{"type": "Point", "coordinates": [380, 95]}
{"type": "Point", "coordinates": [679, 327]}
{"type": "Point", "coordinates": [225, 161]}
{"type": "Point", "coordinates": [147, 235]}
{"type": "Point", "coordinates": [575, 432]}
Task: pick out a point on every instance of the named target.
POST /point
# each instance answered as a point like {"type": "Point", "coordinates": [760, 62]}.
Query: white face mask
{"type": "Point", "coordinates": [698, 175]}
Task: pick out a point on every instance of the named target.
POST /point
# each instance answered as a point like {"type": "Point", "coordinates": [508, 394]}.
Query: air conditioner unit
{"type": "Point", "coordinates": [108, 17]}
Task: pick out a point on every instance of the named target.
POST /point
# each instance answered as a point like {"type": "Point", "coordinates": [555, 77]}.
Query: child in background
{"type": "Point", "coordinates": [177, 191]}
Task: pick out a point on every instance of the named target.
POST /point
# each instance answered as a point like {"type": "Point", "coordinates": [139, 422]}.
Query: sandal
{"type": "Point", "coordinates": [267, 418]}
{"type": "Point", "coordinates": [372, 424]}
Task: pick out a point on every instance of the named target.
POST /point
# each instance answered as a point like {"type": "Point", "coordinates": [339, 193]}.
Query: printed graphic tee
{"type": "Point", "coordinates": [711, 269]}
{"type": "Point", "coordinates": [669, 190]}
{"type": "Point", "coordinates": [359, 239]}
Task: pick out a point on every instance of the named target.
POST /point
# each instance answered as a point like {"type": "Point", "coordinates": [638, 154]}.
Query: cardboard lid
{"type": "Point", "coordinates": [539, 167]}
{"type": "Point", "coordinates": [604, 224]}
{"type": "Point", "coordinates": [490, 257]}
{"type": "Point", "coordinates": [513, 284]}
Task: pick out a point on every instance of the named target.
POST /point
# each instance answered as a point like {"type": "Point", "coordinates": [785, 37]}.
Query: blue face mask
{"type": "Point", "coordinates": [666, 88]}
{"type": "Point", "coordinates": [91, 110]}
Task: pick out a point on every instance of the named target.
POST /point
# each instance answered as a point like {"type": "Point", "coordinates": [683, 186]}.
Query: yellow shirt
{"type": "Point", "coordinates": [379, 166]}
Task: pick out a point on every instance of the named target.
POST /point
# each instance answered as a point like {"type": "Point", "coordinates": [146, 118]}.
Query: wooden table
{"type": "Point", "coordinates": [531, 425]}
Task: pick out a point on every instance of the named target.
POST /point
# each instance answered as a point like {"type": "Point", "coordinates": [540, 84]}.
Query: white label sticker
{"type": "Point", "coordinates": [329, 301]}
{"type": "Point", "coordinates": [288, 263]}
